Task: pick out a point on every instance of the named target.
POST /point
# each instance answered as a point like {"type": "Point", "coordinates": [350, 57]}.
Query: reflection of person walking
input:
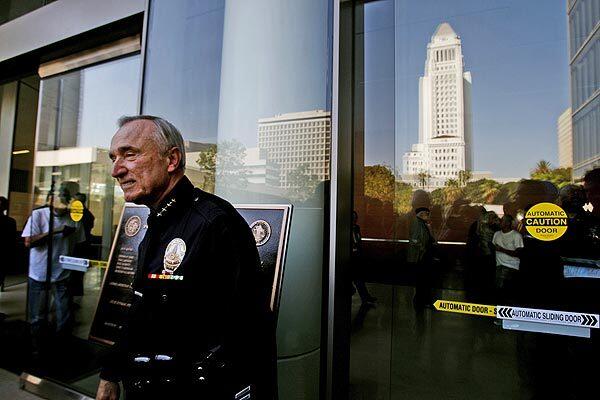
{"type": "Point", "coordinates": [420, 255]}
{"type": "Point", "coordinates": [363, 292]}
{"type": "Point", "coordinates": [508, 243]}
{"type": "Point", "coordinates": [65, 235]}
{"type": "Point", "coordinates": [485, 272]}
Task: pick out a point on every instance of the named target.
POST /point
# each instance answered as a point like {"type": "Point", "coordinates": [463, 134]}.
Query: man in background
{"type": "Point", "coordinates": [508, 243]}
{"type": "Point", "coordinates": [420, 255]}
{"type": "Point", "coordinates": [64, 237]}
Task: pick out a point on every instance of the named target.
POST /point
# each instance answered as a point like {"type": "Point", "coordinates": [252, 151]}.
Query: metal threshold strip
{"type": "Point", "coordinates": [48, 389]}
{"type": "Point", "coordinates": [406, 241]}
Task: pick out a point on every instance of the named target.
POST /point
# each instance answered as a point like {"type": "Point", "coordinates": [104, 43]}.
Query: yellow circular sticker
{"type": "Point", "coordinates": [76, 210]}
{"type": "Point", "coordinates": [546, 221]}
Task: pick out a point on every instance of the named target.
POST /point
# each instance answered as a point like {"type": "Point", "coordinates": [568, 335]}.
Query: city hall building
{"type": "Point", "coordinates": [410, 139]}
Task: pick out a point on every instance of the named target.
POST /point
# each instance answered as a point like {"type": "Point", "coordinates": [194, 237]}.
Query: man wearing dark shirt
{"type": "Point", "coordinates": [200, 324]}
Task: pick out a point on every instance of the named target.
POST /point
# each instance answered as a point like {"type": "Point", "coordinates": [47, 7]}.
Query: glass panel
{"type": "Point", "coordinates": [77, 118]}
{"type": "Point", "coordinates": [482, 110]}
{"type": "Point", "coordinates": [249, 87]}
{"type": "Point", "coordinates": [375, 104]}
{"type": "Point", "coordinates": [17, 126]}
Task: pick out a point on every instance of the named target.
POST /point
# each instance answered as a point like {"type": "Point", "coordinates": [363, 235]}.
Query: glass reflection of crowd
{"type": "Point", "coordinates": [501, 262]}
{"type": "Point", "coordinates": [504, 265]}
{"type": "Point", "coordinates": [50, 297]}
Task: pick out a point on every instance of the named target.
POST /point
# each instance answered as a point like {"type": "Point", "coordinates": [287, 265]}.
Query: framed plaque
{"type": "Point", "coordinates": [116, 294]}
{"type": "Point", "coordinates": [270, 225]}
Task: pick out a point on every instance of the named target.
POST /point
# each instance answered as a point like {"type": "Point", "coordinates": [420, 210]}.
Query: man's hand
{"type": "Point", "coordinates": [108, 390]}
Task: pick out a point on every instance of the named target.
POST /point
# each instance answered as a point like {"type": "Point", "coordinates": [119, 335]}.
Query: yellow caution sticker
{"type": "Point", "coordinates": [546, 221]}
{"type": "Point", "coordinates": [465, 308]}
{"type": "Point", "coordinates": [76, 210]}
{"type": "Point", "coordinates": [98, 263]}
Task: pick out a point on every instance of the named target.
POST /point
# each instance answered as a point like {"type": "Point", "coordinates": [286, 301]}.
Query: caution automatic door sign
{"type": "Point", "coordinates": [546, 221]}
{"type": "Point", "coordinates": [581, 320]}
{"type": "Point", "coordinates": [465, 308]}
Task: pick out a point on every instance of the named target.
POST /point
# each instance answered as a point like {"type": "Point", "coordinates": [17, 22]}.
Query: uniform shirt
{"type": "Point", "coordinates": [39, 223]}
{"type": "Point", "coordinates": [198, 286]}
{"type": "Point", "coordinates": [510, 241]}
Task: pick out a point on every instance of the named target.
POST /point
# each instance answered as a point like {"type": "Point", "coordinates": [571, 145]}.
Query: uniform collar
{"type": "Point", "coordinates": [177, 199]}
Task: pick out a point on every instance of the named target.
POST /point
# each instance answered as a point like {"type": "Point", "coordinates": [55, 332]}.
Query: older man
{"type": "Point", "coordinates": [200, 324]}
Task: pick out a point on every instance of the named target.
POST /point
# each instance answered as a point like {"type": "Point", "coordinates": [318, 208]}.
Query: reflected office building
{"type": "Point", "coordinates": [296, 146]}
{"type": "Point", "coordinates": [584, 52]}
{"type": "Point", "coordinates": [445, 127]}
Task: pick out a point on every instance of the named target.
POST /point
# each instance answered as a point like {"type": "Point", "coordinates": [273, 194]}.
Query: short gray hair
{"type": "Point", "coordinates": [166, 135]}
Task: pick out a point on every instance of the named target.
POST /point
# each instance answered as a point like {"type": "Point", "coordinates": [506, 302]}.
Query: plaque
{"type": "Point", "coordinates": [270, 225]}
{"type": "Point", "coordinates": [116, 295]}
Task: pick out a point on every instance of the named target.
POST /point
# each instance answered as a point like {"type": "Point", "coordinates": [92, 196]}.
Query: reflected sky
{"type": "Point", "coordinates": [109, 91]}
{"type": "Point", "coordinates": [517, 54]}
{"type": "Point", "coordinates": [214, 68]}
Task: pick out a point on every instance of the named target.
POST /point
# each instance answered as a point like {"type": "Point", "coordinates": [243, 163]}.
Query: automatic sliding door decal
{"type": "Point", "coordinates": [482, 310]}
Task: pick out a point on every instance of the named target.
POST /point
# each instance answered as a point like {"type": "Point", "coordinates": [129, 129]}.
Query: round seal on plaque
{"type": "Point", "coordinates": [261, 231]}
{"type": "Point", "coordinates": [133, 226]}
{"type": "Point", "coordinates": [173, 255]}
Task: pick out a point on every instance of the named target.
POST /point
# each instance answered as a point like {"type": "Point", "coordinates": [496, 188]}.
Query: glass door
{"type": "Point", "coordinates": [476, 181]}
{"type": "Point", "coordinates": [76, 120]}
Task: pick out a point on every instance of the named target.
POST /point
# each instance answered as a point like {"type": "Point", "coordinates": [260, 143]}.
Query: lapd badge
{"type": "Point", "coordinates": [261, 231]}
{"type": "Point", "coordinates": [173, 255]}
{"type": "Point", "coordinates": [133, 225]}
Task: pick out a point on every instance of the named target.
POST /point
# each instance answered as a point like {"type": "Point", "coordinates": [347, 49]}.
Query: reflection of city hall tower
{"type": "Point", "coordinates": [444, 146]}
{"type": "Point", "coordinates": [295, 140]}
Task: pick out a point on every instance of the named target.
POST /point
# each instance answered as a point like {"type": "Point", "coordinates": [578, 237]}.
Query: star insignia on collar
{"type": "Point", "coordinates": [165, 208]}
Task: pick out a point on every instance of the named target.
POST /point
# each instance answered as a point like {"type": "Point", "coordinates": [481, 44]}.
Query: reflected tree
{"type": "Point", "coordinates": [482, 191]}
{"type": "Point", "coordinates": [223, 163]}
{"type": "Point", "coordinates": [490, 190]}
{"type": "Point", "coordinates": [558, 176]}
{"type": "Point", "coordinates": [464, 177]}
{"type": "Point", "coordinates": [542, 167]}
{"type": "Point", "coordinates": [402, 197]}
{"type": "Point", "coordinates": [379, 183]}
{"type": "Point", "coordinates": [423, 178]}
{"type": "Point", "coordinates": [452, 191]}
{"type": "Point", "coordinates": [301, 183]}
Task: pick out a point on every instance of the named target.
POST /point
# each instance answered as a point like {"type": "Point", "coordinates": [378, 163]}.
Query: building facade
{"type": "Point", "coordinates": [565, 139]}
{"type": "Point", "coordinates": [444, 147]}
{"type": "Point", "coordinates": [296, 143]}
{"type": "Point", "coordinates": [584, 54]}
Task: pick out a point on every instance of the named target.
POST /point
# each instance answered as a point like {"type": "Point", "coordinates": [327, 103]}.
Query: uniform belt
{"type": "Point", "coordinates": [156, 371]}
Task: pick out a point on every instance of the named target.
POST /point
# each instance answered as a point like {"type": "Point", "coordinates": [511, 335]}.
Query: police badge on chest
{"type": "Point", "coordinates": [174, 254]}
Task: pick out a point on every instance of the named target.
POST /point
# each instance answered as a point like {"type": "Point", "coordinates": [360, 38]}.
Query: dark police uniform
{"type": "Point", "coordinates": [200, 324]}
